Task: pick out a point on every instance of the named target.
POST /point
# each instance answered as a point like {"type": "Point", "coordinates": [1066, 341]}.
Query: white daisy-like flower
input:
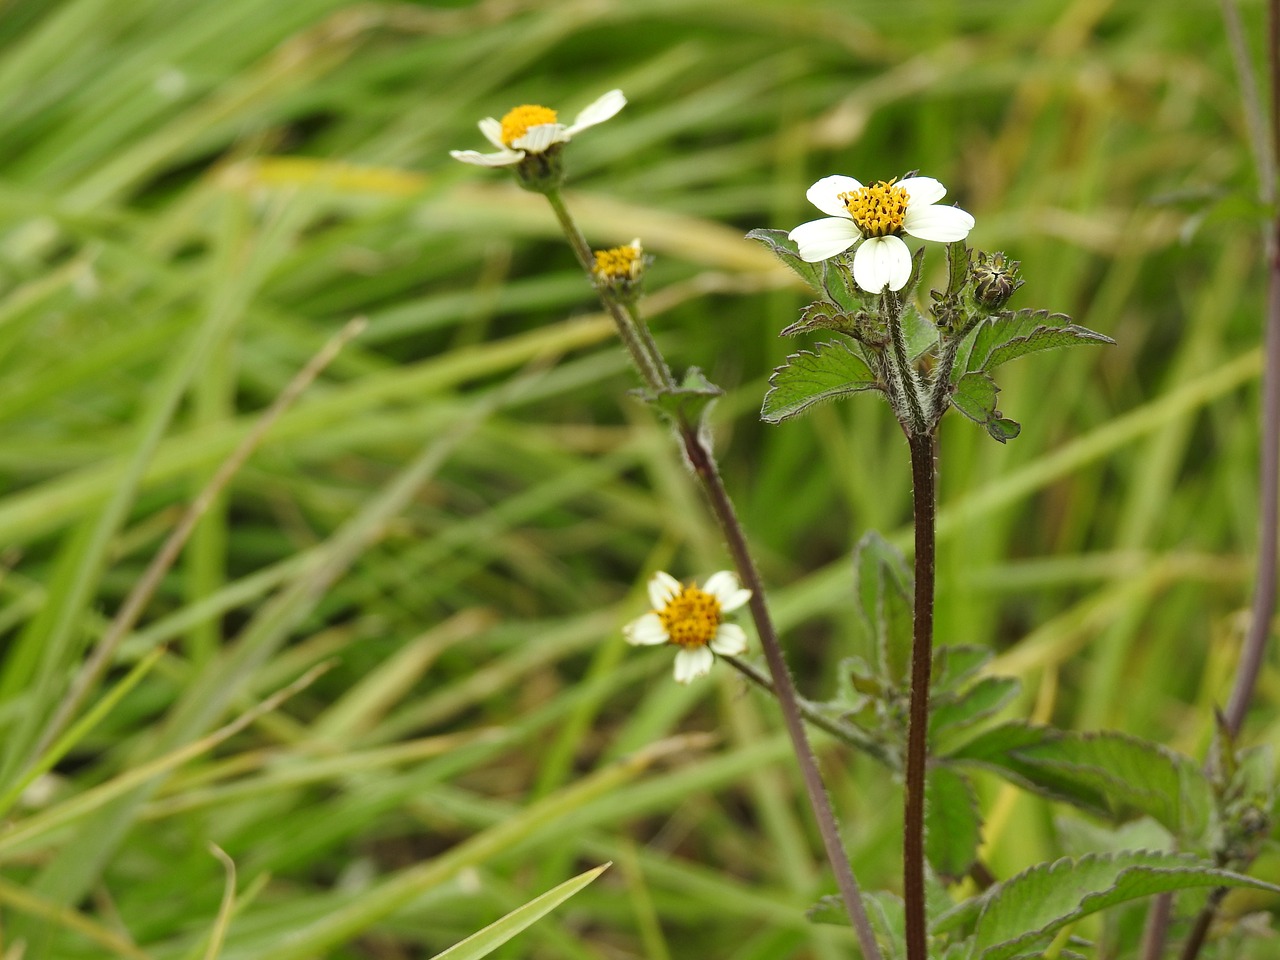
{"type": "Point", "coordinates": [878, 215]}
{"type": "Point", "coordinates": [530, 128]}
{"type": "Point", "coordinates": [692, 618]}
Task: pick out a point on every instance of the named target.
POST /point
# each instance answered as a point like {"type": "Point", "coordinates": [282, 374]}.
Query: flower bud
{"type": "Point", "coordinates": [620, 269]}
{"type": "Point", "coordinates": [995, 279]}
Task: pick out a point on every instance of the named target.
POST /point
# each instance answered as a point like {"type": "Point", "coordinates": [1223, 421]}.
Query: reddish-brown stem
{"type": "Point", "coordinates": [924, 500]}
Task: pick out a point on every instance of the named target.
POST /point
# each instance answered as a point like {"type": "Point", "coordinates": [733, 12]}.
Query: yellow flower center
{"type": "Point", "coordinates": [878, 210]}
{"type": "Point", "coordinates": [518, 121]}
{"type": "Point", "coordinates": [691, 617]}
{"type": "Point", "coordinates": [618, 263]}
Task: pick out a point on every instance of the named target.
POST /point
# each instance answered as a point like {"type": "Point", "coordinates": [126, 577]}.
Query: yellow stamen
{"type": "Point", "coordinates": [691, 617]}
{"type": "Point", "coordinates": [518, 121]}
{"type": "Point", "coordinates": [879, 210]}
{"type": "Point", "coordinates": [619, 263]}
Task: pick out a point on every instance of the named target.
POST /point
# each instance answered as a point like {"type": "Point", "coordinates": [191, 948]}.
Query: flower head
{"type": "Point", "coordinates": [878, 216]}
{"type": "Point", "coordinates": [532, 129]}
{"type": "Point", "coordinates": [620, 268]}
{"type": "Point", "coordinates": [692, 618]}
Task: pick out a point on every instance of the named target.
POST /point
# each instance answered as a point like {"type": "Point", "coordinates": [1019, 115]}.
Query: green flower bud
{"type": "Point", "coordinates": [995, 279]}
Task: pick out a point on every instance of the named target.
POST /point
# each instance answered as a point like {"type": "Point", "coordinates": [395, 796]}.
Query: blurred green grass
{"type": "Point", "coordinates": [194, 196]}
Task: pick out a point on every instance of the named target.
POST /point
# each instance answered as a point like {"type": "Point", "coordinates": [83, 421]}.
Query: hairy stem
{"type": "Point", "coordinates": [708, 474]}
{"type": "Point", "coordinates": [924, 502]}
{"type": "Point", "coordinates": [641, 348]}
{"type": "Point", "coordinates": [916, 423]}
{"type": "Point", "coordinates": [654, 370]}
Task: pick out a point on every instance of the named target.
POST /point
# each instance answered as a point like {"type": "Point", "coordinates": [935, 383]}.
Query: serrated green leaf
{"type": "Point", "coordinates": [690, 401]}
{"type": "Point", "coordinates": [1014, 917]}
{"type": "Point", "coordinates": [484, 942]}
{"type": "Point", "coordinates": [819, 315]}
{"type": "Point", "coordinates": [954, 665]}
{"type": "Point", "coordinates": [1004, 337]}
{"type": "Point", "coordinates": [999, 749]}
{"type": "Point", "coordinates": [953, 826]}
{"type": "Point", "coordinates": [885, 587]}
{"type": "Point", "coordinates": [839, 285]}
{"type": "Point", "coordinates": [787, 251]}
{"type": "Point", "coordinates": [834, 371]}
{"type": "Point", "coordinates": [975, 396]}
{"type": "Point", "coordinates": [951, 713]}
{"type": "Point", "coordinates": [1133, 774]}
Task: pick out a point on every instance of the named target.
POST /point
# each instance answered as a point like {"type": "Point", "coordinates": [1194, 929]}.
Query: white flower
{"type": "Point", "coordinates": [692, 619]}
{"type": "Point", "coordinates": [530, 128]}
{"type": "Point", "coordinates": [878, 215]}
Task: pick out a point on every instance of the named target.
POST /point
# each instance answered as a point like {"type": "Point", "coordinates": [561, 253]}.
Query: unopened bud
{"type": "Point", "coordinates": [995, 278]}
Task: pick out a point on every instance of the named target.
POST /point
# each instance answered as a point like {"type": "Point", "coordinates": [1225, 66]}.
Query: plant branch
{"type": "Point", "coordinates": [654, 371]}
{"type": "Point", "coordinates": [924, 502]}
{"type": "Point", "coordinates": [845, 732]}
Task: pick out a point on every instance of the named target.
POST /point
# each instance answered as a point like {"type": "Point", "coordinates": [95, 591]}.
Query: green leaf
{"type": "Point", "coordinates": [1133, 774]}
{"type": "Point", "coordinates": [884, 587]}
{"type": "Point", "coordinates": [1005, 336]}
{"type": "Point", "coordinates": [1014, 917]}
{"type": "Point", "coordinates": [819, 315]}
{"type": "Point", "coordinates": [839, 285]}
{"type": "Point", "coordinates": [921, 332]}
{"type": "Point", "coordinates": [787, 251]}
{"type": "Point", "coordinates": [835, 370]}
{"type": "Point", "coordinates": [884, 910]}
{"type": "Point", "coordinates": [484, 942]}
{"type": "Point", "coordinates": [690, 401]}
{"type": "Point", "coordinates": [1003, 430]}
{"type": "Point", "coordinates": [954, 665]}
{"type": "Point", "coordinates": [953, 826]}
{"type": "Point", "coordinates": [975, 397]}
{"type": "Point", "coordinates": [999, 749]}
{"type": "Point", "coordinates": [957, 267]}
{"type": "Point", "coordinates": [950, 713]}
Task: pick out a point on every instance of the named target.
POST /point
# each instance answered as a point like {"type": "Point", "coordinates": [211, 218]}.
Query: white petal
{"type": "Point", "coordinates": [825, 195]}
{"type": "Point", "coordinates": [691, 664]}
{"type": "Point", "coordinates": [663, 587]}
{"type": "Point", "coordinates": [598, 112]}
{"type": "Point", "coordinates": [504, 159]}
{"type": "Point", "coordinates": [943, 224]}
{"type": "Point", "coordinates": [880, 261]}
{"type": "Point", "coordinates": [730, 640]}
{"type": "Point", "coordinates": [492, 131]}
{"type": "Point", "coordinates": [922, 190]}
{"type": "Point", "coordinates": [645, 631]}
{"type": "Point", "coordinates": [823, 239]}
{"type": "Point", "coordinates": [724, 587]}
{"type": "Point", "coordinates": [539, 138]}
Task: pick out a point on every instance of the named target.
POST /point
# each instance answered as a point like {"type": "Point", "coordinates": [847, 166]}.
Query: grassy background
{"type": "Point", "coordinates": [195, 195]}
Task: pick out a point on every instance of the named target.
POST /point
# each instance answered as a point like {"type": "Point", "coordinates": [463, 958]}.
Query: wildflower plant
{"type": "Point", "coordinates": [926, 716]}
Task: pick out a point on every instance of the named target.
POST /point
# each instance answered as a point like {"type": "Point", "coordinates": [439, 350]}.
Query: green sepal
{"type": "Point", "coordinates": [884, 587]}
{"type": "Point", "coordinates": [1016, 918]}
{"type": "Point", "coordinates": [820, 315]}
{"type": "Point", "coordinates": [789, 253]}
{"type": "Point", "coordinates": [1006, 336]}
{"type": "Point", "coordinates": [690, 401]}
{"type": "Point", "coordinates": [953, 826]}
{"type": "Point", "coordinates": [834, 370]}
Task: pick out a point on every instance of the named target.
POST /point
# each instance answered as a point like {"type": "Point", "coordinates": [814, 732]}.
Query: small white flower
{"type": "Point", "coordinates": [692, 619]}
{"type": "Point", "coordinates": [530, 128]}
{"type": "Point", "coordinates": [878, 215]}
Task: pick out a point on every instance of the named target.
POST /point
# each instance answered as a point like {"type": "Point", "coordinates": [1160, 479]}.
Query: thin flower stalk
{"type": "Point", "coordinates": [708, 475]}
